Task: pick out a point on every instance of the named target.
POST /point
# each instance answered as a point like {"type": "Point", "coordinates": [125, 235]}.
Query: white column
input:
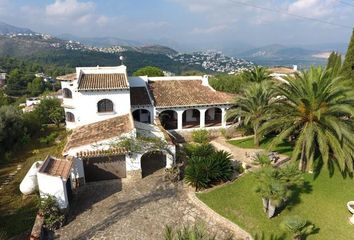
{"type": "Point", "coordinates": [180, 119]}
{"type": "Point", "coordinates": [223, 117]}
{"type": "Point", "coordinates": [202, 118]}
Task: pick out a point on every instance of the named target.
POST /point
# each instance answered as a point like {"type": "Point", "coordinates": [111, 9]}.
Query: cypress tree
{"type": "Point", "coordinates": [348, 65]}
{"type": "Point", "coordinates": [334, 64]}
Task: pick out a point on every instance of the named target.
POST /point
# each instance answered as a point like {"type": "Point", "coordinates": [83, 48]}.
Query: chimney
{"type": "Point", "coordinates": [205, 80]}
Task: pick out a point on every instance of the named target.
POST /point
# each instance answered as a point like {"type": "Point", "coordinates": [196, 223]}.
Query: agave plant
{"type": "Point", "coordinates": [195, 232]}
{"type": "Point", "coordinates": [297, 226]}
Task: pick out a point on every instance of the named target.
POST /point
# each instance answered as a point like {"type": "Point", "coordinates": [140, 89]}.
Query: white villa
{"type": "Point", "coordinates": [103, 105]}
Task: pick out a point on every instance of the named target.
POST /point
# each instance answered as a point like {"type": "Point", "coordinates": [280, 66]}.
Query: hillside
{"type": "Point", "coordinates": [281, 55]}
{"type": "Point", "coordinates": [10, 29]}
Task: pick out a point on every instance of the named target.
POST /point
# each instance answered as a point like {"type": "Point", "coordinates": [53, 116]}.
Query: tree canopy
{"type": "Point", "coordinates": [348, 65]}
{"type": "Point", "coordinates": [149, 71]}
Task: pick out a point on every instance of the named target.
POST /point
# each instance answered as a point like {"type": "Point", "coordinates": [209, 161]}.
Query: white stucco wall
{"type": "Point", "coordinates": [53, 186]}
{"type": "Point", "coordinates": [87, 112]}
{"type": "Point", "coordinates": [83, 104]}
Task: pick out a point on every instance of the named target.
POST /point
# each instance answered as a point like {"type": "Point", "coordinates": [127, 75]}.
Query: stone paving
{"type": "Point", "coordinates": [134, 210]}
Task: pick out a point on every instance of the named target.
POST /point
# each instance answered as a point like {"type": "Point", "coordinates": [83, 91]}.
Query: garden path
{"type": "Point", "coordinates": [134, 210]}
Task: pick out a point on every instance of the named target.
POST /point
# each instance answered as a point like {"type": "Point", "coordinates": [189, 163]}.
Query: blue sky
{"type": "Point", "coordinates": [193, 23]}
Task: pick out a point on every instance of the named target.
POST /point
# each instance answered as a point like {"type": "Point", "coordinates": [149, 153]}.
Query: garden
{"type": "Point", "coordinates": [308, 118]}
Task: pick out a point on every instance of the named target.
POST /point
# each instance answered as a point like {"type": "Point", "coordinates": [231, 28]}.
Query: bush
{"type": "Point", "coordinates": [201, 136]}
{"type": "Point", "coordinates": [49, 139]}
{"type": "Point", "coordinates": [203, 171]}
{"type": "Point", "coordinates": [199, 150]}
{"type": "Point", "coordinates": [12, 129]}
{"type": "Point", "coordinates": [53, 217]}
{"type": "Point", "coordinates": [262, 159]}
{"type": "Point", "coordinates": [196, 232]}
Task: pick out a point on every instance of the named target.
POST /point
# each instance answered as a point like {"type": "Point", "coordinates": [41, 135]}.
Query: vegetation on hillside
{"type": "Point", "coordinates": [149, 71]}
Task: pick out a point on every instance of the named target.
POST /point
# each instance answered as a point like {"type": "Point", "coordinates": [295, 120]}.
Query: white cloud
{"type": "Point", "coordinates": [69, 8]}
{"type": "Point", "coordinates": [312, 8]}
{"type": "Point", "coordinates": [210, 30]}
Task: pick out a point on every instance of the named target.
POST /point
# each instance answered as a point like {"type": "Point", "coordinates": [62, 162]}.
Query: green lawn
{"type": "Point", "coordinates": [323, 203]}
{"type": "Point", "coordinates": [16, 212]}
{"type": "Point", "coordinates": [283, 148]}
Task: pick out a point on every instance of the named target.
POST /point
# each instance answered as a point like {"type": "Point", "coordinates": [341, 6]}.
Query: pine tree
{"type": "Point", "coordinates": [348, 65]}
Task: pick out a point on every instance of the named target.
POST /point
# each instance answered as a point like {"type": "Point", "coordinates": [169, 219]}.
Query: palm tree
{"type": "Point", "coordinates": [272, 190]}
{"type": "Point", "coordinates": [275, 186]}
{"type": "Point", "coordinates": [317, 109]}
{"type": "Point", "coordinates": [299, 227]}
{"type": "Point", "coordinates": [257, 75]}
{"type": "Point", "coordinates": [253, 106]}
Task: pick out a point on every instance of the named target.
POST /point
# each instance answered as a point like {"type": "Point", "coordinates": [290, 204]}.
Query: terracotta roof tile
{"type": "Point", "coordinates": [56, 167]}
{"type": "Point", "coordinates": [170, 93]}
{"type": "Point", "coordinates": [103, 81]}
{"type": "Point", "coordinates": [139, 96]}
{"type": "Point", "coordinates": [99, 131]}
{"type": "Point", "coordinates": [112, 151]}
{"type": "Point", "coordinates": [67, 77]}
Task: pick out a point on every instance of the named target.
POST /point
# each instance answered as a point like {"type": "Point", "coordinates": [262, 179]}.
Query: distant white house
{"type": "Point", "coordinates": [280, 73]}
{"type": "Point", "coordinates": [2, 79]}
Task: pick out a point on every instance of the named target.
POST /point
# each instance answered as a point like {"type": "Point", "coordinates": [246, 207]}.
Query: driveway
{"type": "Point", "coordinates": [133, 210]}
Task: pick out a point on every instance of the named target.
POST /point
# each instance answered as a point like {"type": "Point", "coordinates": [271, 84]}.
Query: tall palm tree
{"type": "Point", "coordinates": [317, 109]}
{"type": "Point", "coordinates": [253, 106]}
{"type": "Point", "coordinates": [257, 75]}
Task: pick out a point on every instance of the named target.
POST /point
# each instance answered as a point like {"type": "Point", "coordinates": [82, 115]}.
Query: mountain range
{"type": "Point", "coordinates": [270, 55]}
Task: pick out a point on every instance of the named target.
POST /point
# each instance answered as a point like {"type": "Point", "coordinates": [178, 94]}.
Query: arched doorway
{"type": "Point", "coordinates": [213, 117]}
{"type": "Point", "coordinates": [151, 162]}
{"type": "Point", "coordinates": [191, 118]}
{"type": "Point", "coordinates": [168, 119]}
{"type": "Point", "coordinates": [142, 115]}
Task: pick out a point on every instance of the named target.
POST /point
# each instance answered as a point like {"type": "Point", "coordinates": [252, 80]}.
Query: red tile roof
{"type": "Point", "coordinates": [173, 93]}
{"type": "Point", "coordinates": [56, 167]}
{"type": "Point", "coordinates": [103, 81]}
{"type": "Point", "coordinates": [139, 96]}
{"type": "Point", "coordinates": [99, 131]}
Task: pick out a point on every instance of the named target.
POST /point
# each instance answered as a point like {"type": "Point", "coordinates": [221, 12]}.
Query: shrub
{"type": "Point", "coordinates": [196, 232]}
{"type": "Point", "coordinates": [239, 168]}
{"type": "Point", "coordinates": [299, 227]}
{"type": "Point", "coordinates": [200, 150]}
{"type": "Point", "coordinates": [201, 136]}
{"type": "Point", "coordinates": [53, 217]}
{"type": "Point", "coordinates": [49, 139]}
{"type": "Point", "coordinates": [262, 159]}
{"type": "Point", "coordinates": [202, 171]}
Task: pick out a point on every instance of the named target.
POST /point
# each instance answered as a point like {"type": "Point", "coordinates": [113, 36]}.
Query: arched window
{"type": "Point", "coordinates": [69, 117]}
{"type": "Point", "coordinates": [67, 93]}
{"type": "Point", "coordinates": [105, 105]}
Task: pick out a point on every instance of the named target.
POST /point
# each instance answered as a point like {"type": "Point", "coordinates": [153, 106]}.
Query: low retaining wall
{"type": "Point", "coordinates": [37, 230]}
{"type": "Point", "coordinates": [238, 232]}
